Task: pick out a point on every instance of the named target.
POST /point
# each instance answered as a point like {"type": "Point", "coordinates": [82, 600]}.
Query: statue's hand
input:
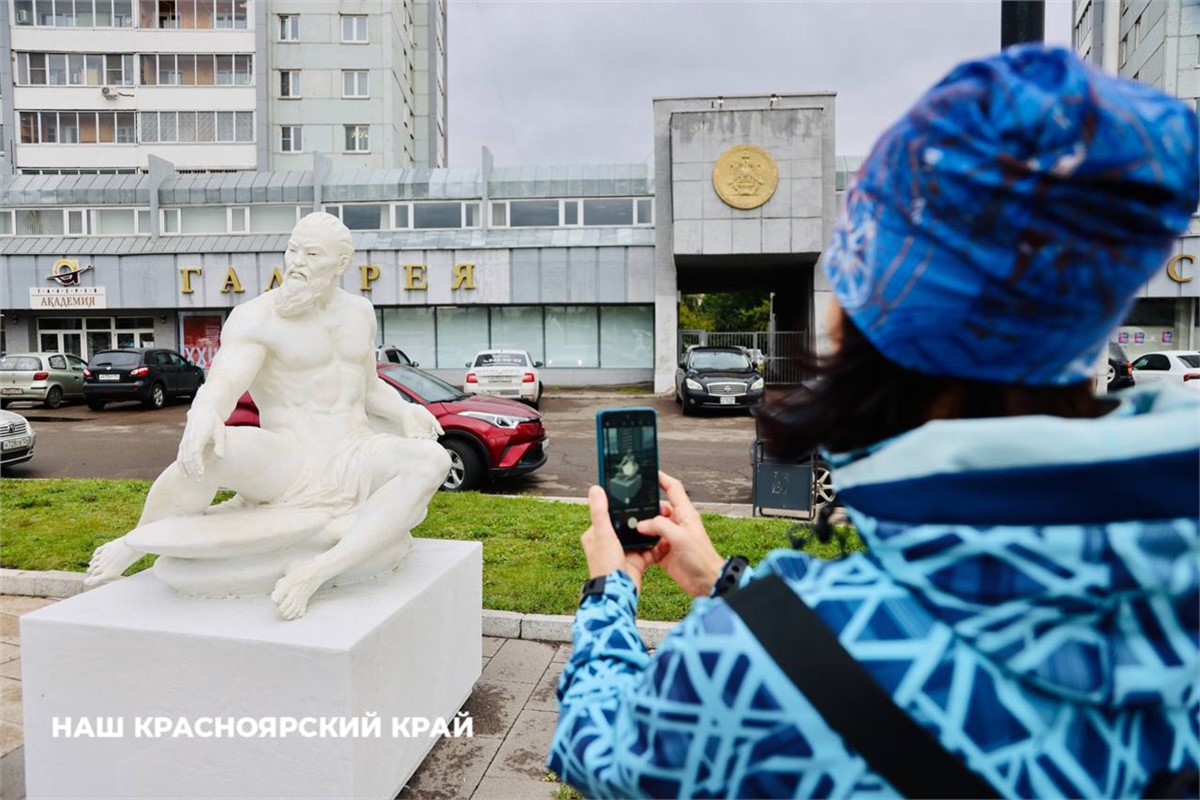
{"type": "Point", "coordinates": [201, 430]}
{"type": "Point", "coordinates": [421, 424]}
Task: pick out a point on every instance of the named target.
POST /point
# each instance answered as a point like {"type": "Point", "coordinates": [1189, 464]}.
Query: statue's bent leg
{"type": "Point", "coordinates": [404, 477]}
{"type": "Point", "coordinates": [257, 464]}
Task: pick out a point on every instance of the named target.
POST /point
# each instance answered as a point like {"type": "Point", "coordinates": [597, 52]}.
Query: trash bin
{"type": "Point", "coordinates": [780, 484]}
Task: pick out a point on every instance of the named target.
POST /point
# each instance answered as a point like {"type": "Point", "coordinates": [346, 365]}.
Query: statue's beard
{"type": "Point", "coordinates": [296, 295]}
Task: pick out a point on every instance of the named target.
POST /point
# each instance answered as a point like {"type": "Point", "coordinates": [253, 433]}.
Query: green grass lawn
{"type": "Point", "coordinates": [532, 561]}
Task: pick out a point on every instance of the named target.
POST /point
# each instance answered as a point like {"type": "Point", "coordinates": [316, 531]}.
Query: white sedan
{"type": "Point", "coordinates": [505, 373]}
{"type": "Point", "coordinates": [1168, 366]}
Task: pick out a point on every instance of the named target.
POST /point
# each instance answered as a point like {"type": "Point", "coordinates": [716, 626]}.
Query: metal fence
{"type": "Point", "coordinates": [778, 350]}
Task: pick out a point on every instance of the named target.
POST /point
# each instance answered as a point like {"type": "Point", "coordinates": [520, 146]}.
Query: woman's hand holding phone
{"type": "Point", "coordinates": [690, 558]}
{"type": "Point", "coordinates": [684, 549]}
{"type": "Point", "coordinates": [604, 551]}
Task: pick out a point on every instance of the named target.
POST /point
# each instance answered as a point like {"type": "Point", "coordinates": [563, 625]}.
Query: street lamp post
{"type": "Point", "coordinates": [1022, 21]}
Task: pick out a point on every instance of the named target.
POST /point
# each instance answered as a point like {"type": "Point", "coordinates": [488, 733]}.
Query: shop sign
{"type": "Point", "coordinates": [66, 272]}
{"type": "Point", "coordinates": [68, 297]}
{"type": "Point", "coordinates": [462, 276]}
{"type": "Point", "coordinates": [1175, 268]}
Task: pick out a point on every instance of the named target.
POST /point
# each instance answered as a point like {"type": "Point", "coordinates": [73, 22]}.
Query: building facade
{"type": "Point", "coordinates": [100, 86]}
{"type": "Point", "coordinates": [582, 266]}
{"type": "Point", "coordinates": [1155, 42]}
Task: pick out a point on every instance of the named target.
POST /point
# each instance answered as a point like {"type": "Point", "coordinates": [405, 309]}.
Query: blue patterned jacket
{"type": "Point", "coordinates": [1031, 596]}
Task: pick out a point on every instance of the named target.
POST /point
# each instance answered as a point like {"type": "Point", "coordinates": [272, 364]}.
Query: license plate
{"type": "Point", "coordinates": [15, 444]}
{"type": "Point", "coordinates": [728, 401]}
{"type": "Point", "coordinates": [10, 390]}
{"type": "Point", "coordinates": [507, 392]}
{"type": "Point", "coordinates": [110, 377]}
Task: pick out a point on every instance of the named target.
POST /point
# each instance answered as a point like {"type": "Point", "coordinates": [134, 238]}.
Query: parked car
{"type": "Point", "coordinates": [394, 355]}
{"type": "Point", "coordinates": [488, 438]}
{"type": "Point", "coordinates": [717, 377]}
{"type": "Point", "coordinates": [505, 373]}
{"type": "Point", "coordinates": [1169, 366]}
{"type": "Point", "coordinates": [151, 375]}
{"type": "Point", "coordinates": [17, 438]}
{"type": "Point", "coordinates": [1120, 369]}
{"type": "Point", "coordinates": [46, 378]}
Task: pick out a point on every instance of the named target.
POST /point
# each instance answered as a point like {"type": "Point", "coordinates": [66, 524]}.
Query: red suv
{"type": "Point", "coordinates": [488, 438]}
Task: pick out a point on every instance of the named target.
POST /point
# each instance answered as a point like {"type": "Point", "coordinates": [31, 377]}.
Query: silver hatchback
{"type": "Point", "coordinates": [46, 378]}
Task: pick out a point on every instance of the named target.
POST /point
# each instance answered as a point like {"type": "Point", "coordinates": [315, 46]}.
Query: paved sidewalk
{"type": "Point", "coordinates": [513, 707]}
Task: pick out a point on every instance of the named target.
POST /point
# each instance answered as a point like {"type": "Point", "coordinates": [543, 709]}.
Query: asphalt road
{"type": "Point", "coordinates": [710, 453]}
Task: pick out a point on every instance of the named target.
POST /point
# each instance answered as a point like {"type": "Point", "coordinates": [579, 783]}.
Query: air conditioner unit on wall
{"type": "Point", "coordinates": [109, 91]}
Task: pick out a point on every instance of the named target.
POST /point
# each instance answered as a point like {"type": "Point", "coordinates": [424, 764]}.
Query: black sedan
{"type": "Point", "coordinates": [717, 377]}
{"type": "Point", "coordinates": [149, 375]}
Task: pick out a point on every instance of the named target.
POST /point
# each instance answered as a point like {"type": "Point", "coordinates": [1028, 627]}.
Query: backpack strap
{"type": "Point", "coordinates": [849, 699]}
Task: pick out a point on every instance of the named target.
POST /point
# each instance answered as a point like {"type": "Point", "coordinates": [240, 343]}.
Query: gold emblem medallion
{"type": "Point", "coordinates": [745, 176]}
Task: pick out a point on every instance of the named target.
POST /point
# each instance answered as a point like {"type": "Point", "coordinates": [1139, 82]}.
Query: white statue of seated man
{"type": "Point", "coordinates": [306, 353]}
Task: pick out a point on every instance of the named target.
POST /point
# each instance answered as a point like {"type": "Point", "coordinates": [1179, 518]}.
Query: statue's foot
{"type": "Point", "coordinates": [109, 561]}
{"type": "Point", "coordinates": [294, 589]}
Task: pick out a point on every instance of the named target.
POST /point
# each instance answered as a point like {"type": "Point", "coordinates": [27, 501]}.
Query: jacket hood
{"type": "Point", "coordinates": [1066, 551]}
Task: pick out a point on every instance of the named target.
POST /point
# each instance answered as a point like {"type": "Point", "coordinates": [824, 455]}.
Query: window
{"type": "Point", "coordinates": [608, 212]}
{"type": "Point", "coordinates": [400, 217]}
{"type": "Point", "coordinates": [364, 217]}
{"type": "Point", "coordinates": [289, 83]}
{"type": "Point", "coordinates": [627, 336]}
{"type": "Point", "coordinates": [532, 213]}
{"type": "Point", "coordinates": [1155, 361]}
{"type": "Point", "coordinates": [239, 219]}
{"type": "Point", "coordinates": [203, 219]}
{"type": "Point", "coordinates": [77, 69]}
{"type": "Point", "coordinates": [357, 139]}
{"type": "Point", "coordinates": [1137, 31]}
{"type": "Point", "coordinates": [518, 328]}
{"type": "Point", "coordinates": [461, 333]}
{"type": "Point", "coordinates": [273, 219]}
{"type": "Point", "coordinates": [1123, 51]}
{"type": "Point", "coordinates": [645, 212]}
{"type": "Point", "coordinates": [572, 335]}
{"type": "Point", "coordinates": [289, 27]}
{"type": "Point", "coordinates": [290, 139]}
{"type": "Point", "coordinates": [168, 127]}
{"type": "Point", "coordinates": [354, 29]}
{"type": "Point", "coordinates": [77, 127]}
{"type": "Point", "coordinates": [355, 83]}
{"type": "Point", "coordinates": [437, 215]}
{"type": "Point", "coordinates": [499, 215]}
{"type": "Point", "coordinates": [39, 222]}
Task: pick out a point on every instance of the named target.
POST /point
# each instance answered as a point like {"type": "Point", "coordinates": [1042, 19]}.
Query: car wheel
{"type": "Point", "coordinates": [466, 467]}
{"type": "Point", "coordinates": [1112, 374]}
{"type": "Point", "coordinates": [54, 397]}
{"type": "Point", "coordinates": [822, 483]}
{"type": "Point", "coordinates": [157, 397]}
{"type": "Point", "coordinates": [96, 405]}
{"type": "Point", "coordinates": [687, 410]}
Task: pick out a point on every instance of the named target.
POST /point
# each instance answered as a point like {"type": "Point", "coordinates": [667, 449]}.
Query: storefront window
{"type": "Point", "coordinates": [412, 330]}
{"type": "Point", "coordinates": [571, 337]}
{"type": "Point", "coordinates": [518, 328]}
{"type": "Point", "coordinates": [627, 336]}
{"type": "Point", "coordinates": [461, 333]}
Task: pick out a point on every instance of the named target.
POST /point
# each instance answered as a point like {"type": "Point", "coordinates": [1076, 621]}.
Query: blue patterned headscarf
{"type": "Point", "coordinates": [1000, 229]}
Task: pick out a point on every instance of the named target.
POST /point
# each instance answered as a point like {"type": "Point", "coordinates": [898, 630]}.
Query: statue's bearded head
{"type": "Point", "coordinates": [318, 252]}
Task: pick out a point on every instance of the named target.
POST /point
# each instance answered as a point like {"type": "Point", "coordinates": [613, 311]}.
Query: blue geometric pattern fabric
{"type": "Point", "coordinates": [1015, 209]}
{"type": "Point", "coordinates": [1056, 661]}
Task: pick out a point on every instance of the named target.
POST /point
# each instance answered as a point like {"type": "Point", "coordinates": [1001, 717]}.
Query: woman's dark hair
{"type": "Point", "coordinates": [857, 397]}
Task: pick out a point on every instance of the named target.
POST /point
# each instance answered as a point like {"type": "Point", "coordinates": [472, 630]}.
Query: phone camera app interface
{"type": "Point", "coordinates": [630, 465]}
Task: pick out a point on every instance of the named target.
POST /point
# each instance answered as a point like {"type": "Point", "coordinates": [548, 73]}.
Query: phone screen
{"type": "Point", "coordinates": [628, 445]}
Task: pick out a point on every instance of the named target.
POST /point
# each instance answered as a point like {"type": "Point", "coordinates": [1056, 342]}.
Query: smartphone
{"type": "Point", "coordinates": [627, 444]}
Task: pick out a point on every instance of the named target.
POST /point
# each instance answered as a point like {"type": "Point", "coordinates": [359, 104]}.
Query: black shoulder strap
{"type": "Point", "coordinates": [849, 699]}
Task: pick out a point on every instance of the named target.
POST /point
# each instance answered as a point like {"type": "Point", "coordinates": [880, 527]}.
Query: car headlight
{"type": "Point", "coordinates": [499, 420]}
{"type": "Point", "coordinates": [694, 385]}
{"type": "Point", "coordinates": [758, 384]}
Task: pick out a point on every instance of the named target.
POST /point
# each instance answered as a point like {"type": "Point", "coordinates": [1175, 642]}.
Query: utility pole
{"type": "Point", "coordinates": [1022, 21]}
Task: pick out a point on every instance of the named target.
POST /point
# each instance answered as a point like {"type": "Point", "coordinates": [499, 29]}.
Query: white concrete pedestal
{"type": "Point", "coordinates": [408, 645]}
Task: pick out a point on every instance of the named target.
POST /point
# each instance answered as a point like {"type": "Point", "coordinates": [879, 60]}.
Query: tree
{"type": "Point", "coordinates": [737, 311]}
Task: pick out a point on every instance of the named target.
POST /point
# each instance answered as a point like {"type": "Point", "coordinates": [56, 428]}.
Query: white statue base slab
{"type": "Point", "coordinates": [406, 647]}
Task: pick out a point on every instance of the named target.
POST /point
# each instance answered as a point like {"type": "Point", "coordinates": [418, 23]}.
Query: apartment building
{"type": "Point", "coordinates": [1156, 42]}
{"type": "Point", "coordinates": [99, 86]}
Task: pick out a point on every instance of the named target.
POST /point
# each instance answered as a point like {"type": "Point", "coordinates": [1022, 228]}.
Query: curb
{"type": "Point", "coordinates": [501, 624]}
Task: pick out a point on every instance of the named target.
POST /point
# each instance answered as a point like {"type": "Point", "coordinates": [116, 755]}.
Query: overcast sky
{"type": "Point", "coordinates": [571, 81]}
